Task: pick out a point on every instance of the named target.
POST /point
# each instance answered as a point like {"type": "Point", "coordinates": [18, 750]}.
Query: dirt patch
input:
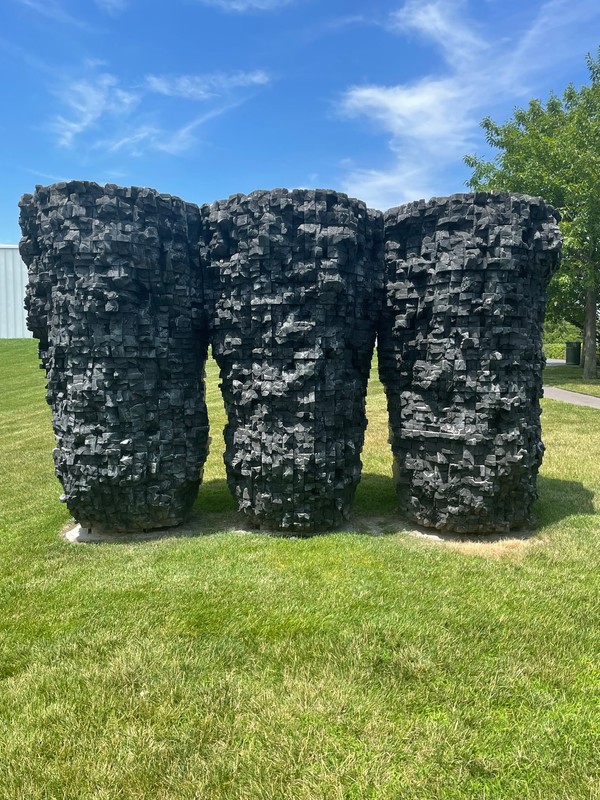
{"type": "Point", "coordinates": [496, 546]}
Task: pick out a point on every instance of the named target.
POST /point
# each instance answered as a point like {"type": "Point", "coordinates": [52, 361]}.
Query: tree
{"type": "Point", "coordinates": [553, 150]}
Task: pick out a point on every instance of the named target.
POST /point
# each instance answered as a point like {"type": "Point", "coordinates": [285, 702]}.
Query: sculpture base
{"type": "Point", "coordinates": [79, 534]}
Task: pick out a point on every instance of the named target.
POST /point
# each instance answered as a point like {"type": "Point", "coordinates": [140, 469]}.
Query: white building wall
{"type": "Point", "coordinates": [13, 279]}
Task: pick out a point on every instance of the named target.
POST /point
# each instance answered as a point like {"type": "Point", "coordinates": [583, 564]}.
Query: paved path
{"type": "Point", "coordinates": [553, 393]}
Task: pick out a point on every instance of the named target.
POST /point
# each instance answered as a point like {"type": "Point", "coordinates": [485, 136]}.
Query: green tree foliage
{"type": "Point", "coordinates": [553, 150]}
{"type": "Point", "coordinates": [556, 333]}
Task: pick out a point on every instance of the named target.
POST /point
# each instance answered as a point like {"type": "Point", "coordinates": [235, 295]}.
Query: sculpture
{"type": "Point", "coordinates": [115, 297]}
{"type": "Point", "coordinates": [460, 356]}
{"type": "Point", "coordinates": [128, 287]}
{"type": "Point", "coordinates": [294, 284]}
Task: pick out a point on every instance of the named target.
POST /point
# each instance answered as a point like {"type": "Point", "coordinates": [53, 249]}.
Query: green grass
{"type": "Point", "coordinates": [234, 665]}
{"type": "Point", "coordinates": [571, 378]}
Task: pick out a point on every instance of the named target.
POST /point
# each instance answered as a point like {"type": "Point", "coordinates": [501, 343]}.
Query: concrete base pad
{"type": "Point", "coordinates": [491, 545]}
{"type": "Point", "coordinates": [198, 524]}
{"type": "Point", "coordinates": [77, 533]}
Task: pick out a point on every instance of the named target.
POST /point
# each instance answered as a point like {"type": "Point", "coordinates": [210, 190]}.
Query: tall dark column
{"type": "Point", "coordinates": [115, 297]}
{"type": "Point", "coordinates": [295, 286]}
{"type": "Point", "coordinates": [460, 356]}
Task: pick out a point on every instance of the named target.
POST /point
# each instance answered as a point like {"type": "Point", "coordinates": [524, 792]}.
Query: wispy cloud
{"type": "Point", "coordinates": [112, 6]}
{"type": "Point", "coordinates": [431, 123]}
{"type": "Point", "coordinates": [560, 34]}
{"type": "Point", "coordinates": [204, 87]}
{"type": "Point", "coordinates": [316, 29]}
{"type": "Point", "coordinates": [135, 141]}
{"type": "Point", "coordinates": [404, 180]}
{"type": "Point", "coordinates": [100, 102]}
{"type": "Point", "coordinates": [47, 176]}
{"type": "Point", "coordinates": [87, 101]}
{"type": "Point", "coordinates": [139, 140]}
{"type": "Point", "coordinates": [441, 22]}
{"type": "Point", "coordinates": [428, 112]}
{"type": "Point", "coordinates": [240, 6]}
{"type": "Point", "coordinates": [429, 120]}
{"type": "Point", "coordinates": [339, 23]}
{"type": "Point", "coordinates": [26, 57]}
{"type": "Point", "coordinates": [53, 9]}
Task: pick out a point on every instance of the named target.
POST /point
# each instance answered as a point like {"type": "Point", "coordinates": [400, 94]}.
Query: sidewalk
{"type": "Point", "coordinates": [579, 399]}
{"type": "Point", "coordinates": [553, 393]}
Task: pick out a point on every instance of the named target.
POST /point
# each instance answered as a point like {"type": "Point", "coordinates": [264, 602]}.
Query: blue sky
{"type": "Point", "coordinates": [205, 98]}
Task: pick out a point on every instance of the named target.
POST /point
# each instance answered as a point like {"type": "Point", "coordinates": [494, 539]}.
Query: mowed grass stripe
{"type": "Point", "coordinates": [237, 665]}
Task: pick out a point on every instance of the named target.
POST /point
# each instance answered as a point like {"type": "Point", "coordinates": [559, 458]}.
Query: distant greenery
{"type": "Point", "coordinates": [555, 350]}
{"type": "Point", "coordinates": [556, 334]}
{"type": "Point", "coordinates": [237, 666]}
{"type": "Point", "coordinates": [560, 331]}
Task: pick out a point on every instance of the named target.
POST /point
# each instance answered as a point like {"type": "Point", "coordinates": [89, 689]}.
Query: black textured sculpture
{"type": "Point", "coordinates": [128, 287]}
{"type": "Point", "coordinates": [460, 356]}
{"type": "Point", "coordinates": [295, 286]}
{"type": "Point", "coordinates": [115, 297]}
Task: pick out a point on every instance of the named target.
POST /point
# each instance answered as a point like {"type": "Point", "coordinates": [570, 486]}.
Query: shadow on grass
{"type": "Point", "coordinates": [559, 499]}
{"type": "Point", "coordinates": [214, 512]}
{"type": "Point", "coordinates": [375, 510]}
{"type": "Point", "coordinates": [376, 494]}
{"type": "Point", "coordinates": [214, 497]}
{"type": "Point", "coordinates": [374, 513]}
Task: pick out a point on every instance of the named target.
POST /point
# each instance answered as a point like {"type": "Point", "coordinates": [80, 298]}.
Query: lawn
{"type": "Point", "coordinates": [237, 665]}
{"type": "Point", "coordinates": [571, 378]}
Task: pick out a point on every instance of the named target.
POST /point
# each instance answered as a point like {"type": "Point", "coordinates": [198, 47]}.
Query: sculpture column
{"type": "Point", "coordinates": [115, 297]}
{"type": "Point", "coordinates": [460, 356]}
{"type": "Point", "coordinates": [294, 282]}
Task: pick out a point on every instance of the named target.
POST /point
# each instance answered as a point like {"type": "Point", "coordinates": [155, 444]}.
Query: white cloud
{"type": "Point", "coordinates": [404, 181]}
{"type": "Point", "coordinates": [204, 87]}
{"type": "Point", "coordinates": [240, 6]}
{"type": "Point", "coordinates": [442, 23]}
{"type": "Point", "coordinates": [52, 9]}
{"type": "Point", "coordinates": [344, 22]}
{"type": "Point", "coordinates": [112, 6]}
{"type": "Point", "coordinates": [47, 176]}
{"type": "Point", "coordinates": [183, 139]}
{"type": "Point", "coordinates": [560, 34]}
{"type": "Point", "coordinates": [136, 141]}
{"type": "Point", "coordinates": [99, 101]}
{"type": "Point", "coordinates": [433, 122]}
{"type": "Point", "coordinates": [428, 112]}
{"type": "Point", "coordinates": [55, 9]}
{"type": "Point", "coordinates": [88, 100]}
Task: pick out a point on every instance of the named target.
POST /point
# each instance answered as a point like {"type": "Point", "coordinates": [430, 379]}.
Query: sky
{"type": "Point", "coordinates": [202, 99]}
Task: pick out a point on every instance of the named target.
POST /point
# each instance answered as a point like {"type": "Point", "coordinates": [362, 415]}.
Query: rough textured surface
{"type": "Point", "coordinates": [460, 356]}
{"type": "Point", "coordinates": [295, 287]}
{"type": "Point", "coordinates": [115, 298]}
{"type": "Point", "coordinates": [128, 287]}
